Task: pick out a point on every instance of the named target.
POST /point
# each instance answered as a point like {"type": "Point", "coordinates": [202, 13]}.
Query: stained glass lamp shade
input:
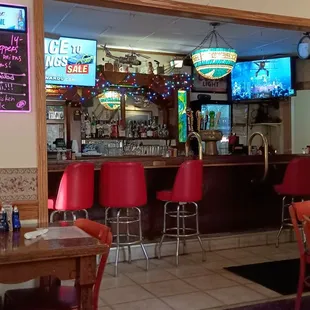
{"type": "Point", "coordinates": [214, 62]}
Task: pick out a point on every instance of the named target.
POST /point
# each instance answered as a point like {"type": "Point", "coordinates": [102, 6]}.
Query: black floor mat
{"type": "Point", "coordinates": [279, 276]}
{"type": "Point", "coordinates": [287, 304]}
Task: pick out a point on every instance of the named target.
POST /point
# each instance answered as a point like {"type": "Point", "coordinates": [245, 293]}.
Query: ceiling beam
{"type": "Point", "coordinates": [204, 12]}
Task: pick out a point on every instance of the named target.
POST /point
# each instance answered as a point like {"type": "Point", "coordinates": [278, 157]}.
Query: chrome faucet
{"type": "Point", "coordinates": [187, 144]}
{"type": "Point", "coordinates": [265, 142]}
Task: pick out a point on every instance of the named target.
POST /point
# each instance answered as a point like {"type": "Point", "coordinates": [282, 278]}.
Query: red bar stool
{"type": "Point", "coordinates": [123, 189]}
{"type": "Point", "coordinates": [187, 190]}
{"type": "Point", "coordinates": [76, 191]}
{"type": "Point", "coordinates": [295, 185]}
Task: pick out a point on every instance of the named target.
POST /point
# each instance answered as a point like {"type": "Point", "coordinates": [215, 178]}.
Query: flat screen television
{"type": "Point", "coordinates": [70, 61]}
{"type": "Point", "coordinates": [262, 79]}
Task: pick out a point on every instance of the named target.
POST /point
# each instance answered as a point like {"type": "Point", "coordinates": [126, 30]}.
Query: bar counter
{"type": "Point", "coordinates": [234, 199]}
{"type": "Point", "coordinates": [151, 162]}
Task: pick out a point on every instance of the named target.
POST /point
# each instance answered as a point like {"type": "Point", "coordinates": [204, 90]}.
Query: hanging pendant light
{"type": "Point", "coordinates": [214, 62]}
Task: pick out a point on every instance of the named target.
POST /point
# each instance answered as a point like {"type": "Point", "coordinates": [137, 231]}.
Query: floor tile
{"type": "Point", "coordinates": [183, 260]}
{"type": "Point", "coordinates": [251, 260]}
{"type": "Point", "coordinates": [109, 281]}
{"type": "Point", "coordinates": [219, 264]}
{"type": "Point", "coordinates": [149, 304]}
{"type": "Point", "coordinates": [235, 295]}
{"type": "Point", "coordinates": [124, 294]}
{"type": "Point", "coordinates": [104, 308]}
{"type": "Point", "coordinates": [155, 264]}
{"type": "Point", "coordinates": [282, 256]}
{"type": "Point", "coordinates": [263, 290]}
{"type": "Point", "coordinates": [234, 277]}
{"type": "Point", "coordinates": [122, 268]}
{"type": "Point", "coordinates": [234, 253]}
{"type": "Point", "coordinates": [156, 275]}
{"type": "Point", "coordinates": [210, 282]}
{"type": "Point", "coordinates": [168, 288]}
{"type": "Point", "coordinates": [266, 249]}
{"type": "Point", "coordinates": [210, 257]}
{"type": "Point", "coordinates": [192, 301]}
{"type": "Point", "coordinates": [186, 271]}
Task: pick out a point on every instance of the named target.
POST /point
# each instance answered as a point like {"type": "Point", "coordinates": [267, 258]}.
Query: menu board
{"type": "Point", "coordinates": [14, 87]}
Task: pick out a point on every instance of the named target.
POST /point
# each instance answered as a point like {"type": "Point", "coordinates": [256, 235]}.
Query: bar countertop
{"type": "Point", "coordinates": [153, 162]}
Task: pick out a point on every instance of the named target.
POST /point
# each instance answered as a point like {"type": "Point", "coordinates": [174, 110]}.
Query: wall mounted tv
{"type": "Point", "coordinates": [262, 79]}
{"type": "Point", "coordinates": [70, 61]}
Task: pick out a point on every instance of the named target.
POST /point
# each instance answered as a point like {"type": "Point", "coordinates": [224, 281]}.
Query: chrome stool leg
{"type": "Point", "coordinates": [106, 214]}
{"type": "Point", "coordinates": [86, 213]}
{"type": "Point", "coordinates": [117, 244]}
{"type": "Point", "coordinates": [177, 236]}
{"type": "Point", "coordinates": [183, 228]}
{"type": "Point", "coordinates": [128, 237]}
{"type": "Point", "coordinates": [282, 222]}
{"type": "Point", "coordinates": [141, 241]}
{"type": "Point", "coordinates": [164, 232]}
{"type": "Point", "coordinates": [52, 216]}
{"type": "Point", "coordinates": [198, 234]}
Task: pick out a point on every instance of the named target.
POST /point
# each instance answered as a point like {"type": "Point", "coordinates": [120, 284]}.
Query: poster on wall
{"type": "Point", "coordinates": [200, 84]}
{"type": "Point", "coordinates": [14, 77]}
{"type": "Point", "coordinates": [70, 61]}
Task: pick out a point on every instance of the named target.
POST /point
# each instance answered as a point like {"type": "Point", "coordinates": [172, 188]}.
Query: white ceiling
{"type": "Point", "coordinates": [158, 32]}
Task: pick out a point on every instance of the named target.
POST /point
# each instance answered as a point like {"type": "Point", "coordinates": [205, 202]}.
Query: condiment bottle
{"type": "Point", "coordinates": [4, 221]}
{"type": "Point", "coordinates": [15, 219]}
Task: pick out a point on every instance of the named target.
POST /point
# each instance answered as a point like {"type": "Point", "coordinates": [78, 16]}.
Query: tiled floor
{"type": "Point", "coordinates": [194, 285]}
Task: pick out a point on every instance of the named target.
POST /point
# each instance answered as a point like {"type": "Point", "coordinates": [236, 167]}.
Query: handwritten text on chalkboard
{"type": "Point", "coordinates": [14, 90]}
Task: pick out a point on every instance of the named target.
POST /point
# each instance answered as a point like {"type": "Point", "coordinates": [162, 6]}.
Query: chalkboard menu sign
{"type": "Point", "coordinates": [14, 85]}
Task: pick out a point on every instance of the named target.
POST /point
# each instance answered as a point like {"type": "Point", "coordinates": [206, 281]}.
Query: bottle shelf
{"type": "Point", "coordinates": [126, 138]}
{"type": "Point", "coordinates": [266, 124]}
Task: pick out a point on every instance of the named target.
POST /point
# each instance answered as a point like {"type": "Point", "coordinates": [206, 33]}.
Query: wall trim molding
{"type": "Point", "coordinates": [199, 11]}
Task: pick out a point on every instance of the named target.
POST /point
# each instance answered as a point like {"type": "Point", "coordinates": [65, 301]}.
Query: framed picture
{"type": "Point", "coordinates": [200, 84]}
{"type": "Point", "coordinates": [138, 115]}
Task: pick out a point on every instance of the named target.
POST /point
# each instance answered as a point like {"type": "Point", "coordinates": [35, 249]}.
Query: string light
{"type": "Point", "coordinates": [160, 87]}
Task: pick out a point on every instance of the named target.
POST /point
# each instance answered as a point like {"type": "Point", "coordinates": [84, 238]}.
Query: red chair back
{"type": "Point", "coordinates": [122, 185]}
{"type": "Point", "coordinates": [76, 189]}
{"type": "Point", "coordinates": [297, 211]}
{"type": "Point", "coordinates": [188, 182]}
{"type": "Point", "coordinates": [296, 178]}
{"type": "Point", "coordinates": [102, 233]}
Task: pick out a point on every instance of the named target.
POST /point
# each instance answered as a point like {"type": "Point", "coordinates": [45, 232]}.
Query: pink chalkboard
{"type": "Point", "coordinates": [14, 86]}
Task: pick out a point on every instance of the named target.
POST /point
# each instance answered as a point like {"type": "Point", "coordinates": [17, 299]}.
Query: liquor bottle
{"type": "Point", "coordinates": [93, 126]}
{"type": "Point", "coordinates": [129, 130]}
{"type": "Point", "coordinates": [149, 132]}
{"type": "Point", "coordinates": [15, 219]}
{"type": "Point", "coordinates": [154, 128]}
{"type": "Point", "coordinates": [121, 130]}
{"type": "Point", "coordinates": [142, 131]}
{"type": "Point", "coordinates": [165, 131]}
{"type": "Point", "coordinates": [114, 131]}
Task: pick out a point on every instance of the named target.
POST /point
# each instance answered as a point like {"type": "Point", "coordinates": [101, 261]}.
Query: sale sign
{"type": "Point", "coordinates": [70, 61]}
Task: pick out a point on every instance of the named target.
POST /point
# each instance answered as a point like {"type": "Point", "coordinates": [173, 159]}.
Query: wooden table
{"type": "Point", "coordinates": [22, 260]}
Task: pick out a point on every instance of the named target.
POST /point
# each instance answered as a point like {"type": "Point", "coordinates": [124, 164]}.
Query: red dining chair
{"type": "Point", "coordinates": [61, 297]}
{"type": "Point", "coordinates": [76, 191]}
{"type": "Point", "coordinates": [297, 212]}
{"type": "Point", "coordinates": [187, 190]}
{"type": "Point", "coordinates": [295, 185]}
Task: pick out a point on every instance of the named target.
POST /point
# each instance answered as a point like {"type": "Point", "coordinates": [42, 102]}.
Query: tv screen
{"type": "Point", "coordinates": [262, 79]}
{"type": "Point", "coordinates": [70, 61]}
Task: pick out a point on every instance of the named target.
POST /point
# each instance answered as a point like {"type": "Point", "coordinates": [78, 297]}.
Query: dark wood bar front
{"type": "Point", "coordinates": [234, 199]}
